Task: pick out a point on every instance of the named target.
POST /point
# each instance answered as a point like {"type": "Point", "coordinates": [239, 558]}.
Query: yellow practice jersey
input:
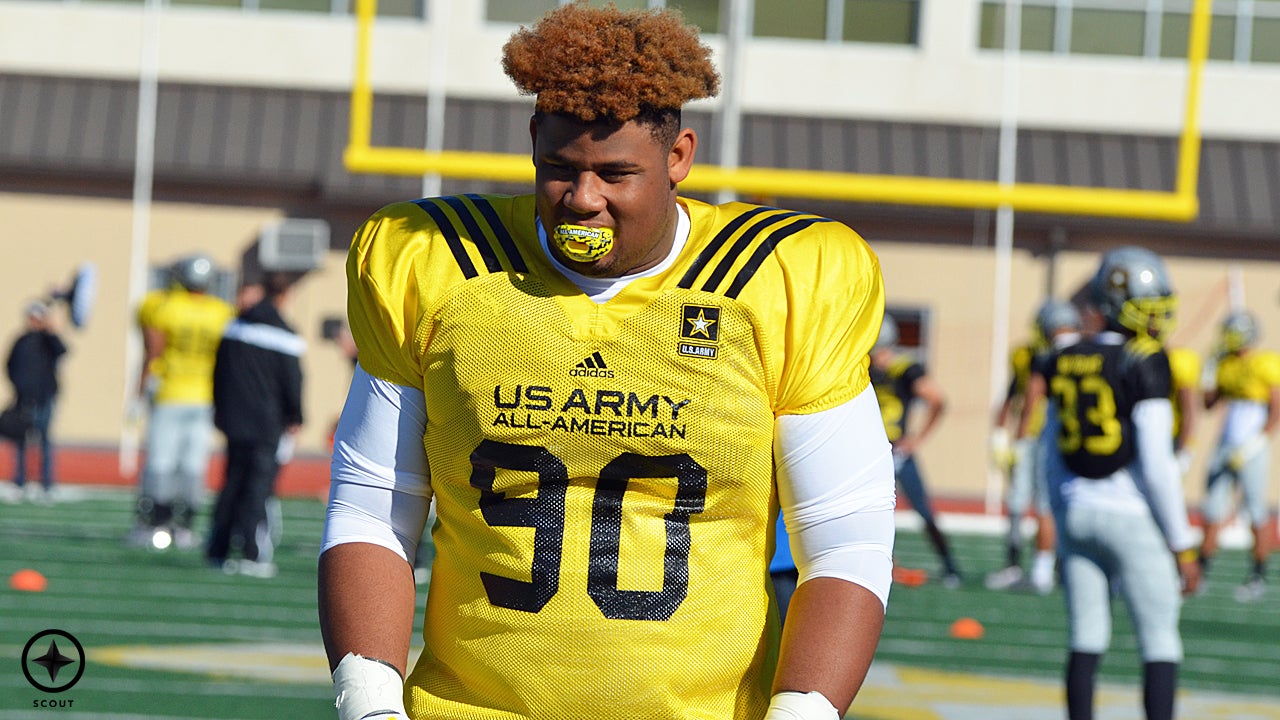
{"type": "Point", "coordinates": [1184, 370]}
{"type": "Point", "coordinates": [604, 472]}
{"type": "Point", "coordinates": [1020, 363]}
{"type": "Point", "coordinates": [1249, 376]}
{"type": "Point", "coordinates": [192, 324]}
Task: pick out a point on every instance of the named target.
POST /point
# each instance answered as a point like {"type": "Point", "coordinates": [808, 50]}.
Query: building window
{"type": "Point", "coordinates": [1266, 40]}
{"type": "Point", "coordinates": [1107, 32]}
{"type": "Point", "coordinates": [1037, 28]}
{"type": "Point", "coordinates": [517, 11]}
{"type": "Point", "coordinates": [1241, 31]}
{"type": "Point", "coordinates": [882, 21]}
{"type": "Point", "coordinates": [705, 14]}
{"type": "Point", "coordinates": [795, 19]}
{"type": "Point", "coordinates": [1176, 26]}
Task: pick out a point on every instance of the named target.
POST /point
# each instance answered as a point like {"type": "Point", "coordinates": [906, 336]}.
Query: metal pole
{"type": "Point", "coordinates": [143, 172]}
{"type": "Point", "coordinates": [730, 116]}
{"type": "Point", "coordinates": [1005, 177]}
{"type": "Point", "coordinates": [437, 76]}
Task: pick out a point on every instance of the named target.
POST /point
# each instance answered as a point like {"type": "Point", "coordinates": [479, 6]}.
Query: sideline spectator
{"type": "Point", "coordinates": [257, 401]}
{"type": "Point", "coordinates": [33, 370]}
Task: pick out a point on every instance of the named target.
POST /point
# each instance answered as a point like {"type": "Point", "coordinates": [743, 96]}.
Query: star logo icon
{"type": "Point", "coordinates": [700, 325]}
{"type": "Point", "coordinates": [700, 322]}
{"type": "Point", "coordinates": [52, 661]}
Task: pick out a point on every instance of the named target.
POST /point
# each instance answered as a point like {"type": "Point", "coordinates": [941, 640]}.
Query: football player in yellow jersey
{"type": "Point", "coordinates": [1248, 385]}
{"type": "Point", "coordinates": [1184, 369]}
{"type": "Point", "coordinates": [610, 390]}
{"type": "Point", "coordinates": [181, 328]}
{"type": "Point", "coordinates": [1025, 403]}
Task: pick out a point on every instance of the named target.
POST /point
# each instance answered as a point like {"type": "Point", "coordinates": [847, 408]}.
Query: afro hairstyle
{"type": "Point", "coordinates": [605, 64]}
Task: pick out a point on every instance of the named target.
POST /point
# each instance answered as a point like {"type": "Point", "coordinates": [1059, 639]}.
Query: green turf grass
{"type": "Point", "coordinates": [168, 637]}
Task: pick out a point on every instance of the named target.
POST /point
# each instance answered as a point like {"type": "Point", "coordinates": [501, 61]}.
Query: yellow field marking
{"type": "Point", "coordinates": [891, 692]}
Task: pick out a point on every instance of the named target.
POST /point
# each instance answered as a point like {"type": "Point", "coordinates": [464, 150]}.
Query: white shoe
{"type": "Point", "coordinates": [161, 539]}
{"type": "Point", "coordinates": [1043, 575]}
{"type": "Point", "coordinates": [1004, 578]}
{"type": "Point", "coordinates": [139, 536]}
{"type": "Point", "coordinates": [10, 494]}
{"type": "Point", "coordinates": [1042, 582]}
{"type": "Point", "coordinates": [183, 538]}
{"type": "Point", "coordinates": [36, 494]}
{"type": "Point", "coordinates": [253, 568]}
{"type": "Point", "coordinates": [1252, 590]}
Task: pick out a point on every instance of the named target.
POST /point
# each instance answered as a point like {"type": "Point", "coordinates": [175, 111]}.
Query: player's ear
{"type": "Point", "coordinates": [533, 138]}
{"type": "Point", "coordinates": [680, 158]}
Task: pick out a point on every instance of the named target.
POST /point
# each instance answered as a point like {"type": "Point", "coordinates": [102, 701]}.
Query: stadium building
{"type": "Point", "coordinates": [132, 133]}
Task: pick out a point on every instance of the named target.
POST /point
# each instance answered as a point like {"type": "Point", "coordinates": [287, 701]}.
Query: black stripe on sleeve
{"type": "Point", "coordinates": [451, 236]}
{"type": "Point", "coordinates": [764, 249]}
{"type": "Point", "coordinates": [746, 240]}
{"type": "Point", "coordinates": [704, 258]}
{"type": "Point", "coordinates": [500, 231]}
{"type": "Point", "coordinates": [477, 235]}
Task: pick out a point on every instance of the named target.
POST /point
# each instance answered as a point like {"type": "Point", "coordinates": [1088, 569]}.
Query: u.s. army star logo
{"type": "Point", "coordinates": [699, 330]}
{"type": "Point", "coordinates": [700, 322]}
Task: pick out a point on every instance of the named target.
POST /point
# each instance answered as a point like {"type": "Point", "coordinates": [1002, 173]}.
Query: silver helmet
{"type": "Point", "coordinates": [1133, 291]}
{"type": "Point", "coordinates": [194, 272]}
{"type": "Point", "coordinates": [888, 333]}
{"type": "Point", "coordinates": [1239, 331]}
{"type": "Point", "coordinates": [1055, 316]}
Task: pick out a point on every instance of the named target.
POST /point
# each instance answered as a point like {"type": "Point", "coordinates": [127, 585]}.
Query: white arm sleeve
{"type": "Point", "coordinates": [380, 490]}
{"type": "Point", "coordinates": [836, 487]}
{"type": "Point", "coordinates": [1161, 480]}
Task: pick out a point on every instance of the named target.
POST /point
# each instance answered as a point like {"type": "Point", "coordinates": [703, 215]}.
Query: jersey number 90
{"type": "Point", "coordinates": [546, 514]}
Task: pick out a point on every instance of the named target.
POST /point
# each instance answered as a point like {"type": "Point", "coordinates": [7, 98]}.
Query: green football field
{"type": "Point", "coordinates": [166, 637]}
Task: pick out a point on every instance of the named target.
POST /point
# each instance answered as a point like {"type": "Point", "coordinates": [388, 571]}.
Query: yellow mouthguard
{"type": "Point", "coordinates": [583, 244]}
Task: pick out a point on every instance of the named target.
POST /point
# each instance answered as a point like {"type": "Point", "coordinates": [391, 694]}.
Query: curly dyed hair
{"type": "Point", "coordinates": [601, 63]}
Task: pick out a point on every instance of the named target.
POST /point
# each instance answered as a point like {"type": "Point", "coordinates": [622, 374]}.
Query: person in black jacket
{"type": "Point", "coordinates": [33, 370]}
{"type": "Point", "coordinates": [257, 404]}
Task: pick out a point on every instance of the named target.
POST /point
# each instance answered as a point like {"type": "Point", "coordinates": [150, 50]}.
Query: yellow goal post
{"type": "Point", "coordinates": [1180, 204]}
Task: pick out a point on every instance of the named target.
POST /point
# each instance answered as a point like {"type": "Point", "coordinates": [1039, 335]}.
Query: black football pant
{"type": "Point", "coordinates": [240, 516]}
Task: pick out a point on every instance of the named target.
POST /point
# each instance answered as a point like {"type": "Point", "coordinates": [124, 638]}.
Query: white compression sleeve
{"type": "Point", "coordinates": [836, 487]}
{"type": "Point", "coordinates": [380, 491]}
{"type": "Point", "coordinates": [1161, 479]}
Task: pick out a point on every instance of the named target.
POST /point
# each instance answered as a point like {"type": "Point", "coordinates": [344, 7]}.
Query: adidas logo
{"type": "Point", "coordinates": [591, 366]}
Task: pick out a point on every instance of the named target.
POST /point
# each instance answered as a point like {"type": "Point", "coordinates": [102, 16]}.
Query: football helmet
{"type": "Point", "coordinates": [194, 272]}
{"type": "Point", "coordinates": [1132, 290]}
{"type": "Point", "coordinates": [1055, 316]}
{"type": "Point", "coordinates": [888, 333]}
{"type": "Point", "coordinates": [1239, 331]}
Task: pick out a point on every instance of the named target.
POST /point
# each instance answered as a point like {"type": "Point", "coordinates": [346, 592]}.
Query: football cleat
{"type": "Point", "coordinates": [1004, 578]}
{"type": "Point", "coordinates": [1252, 590]}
